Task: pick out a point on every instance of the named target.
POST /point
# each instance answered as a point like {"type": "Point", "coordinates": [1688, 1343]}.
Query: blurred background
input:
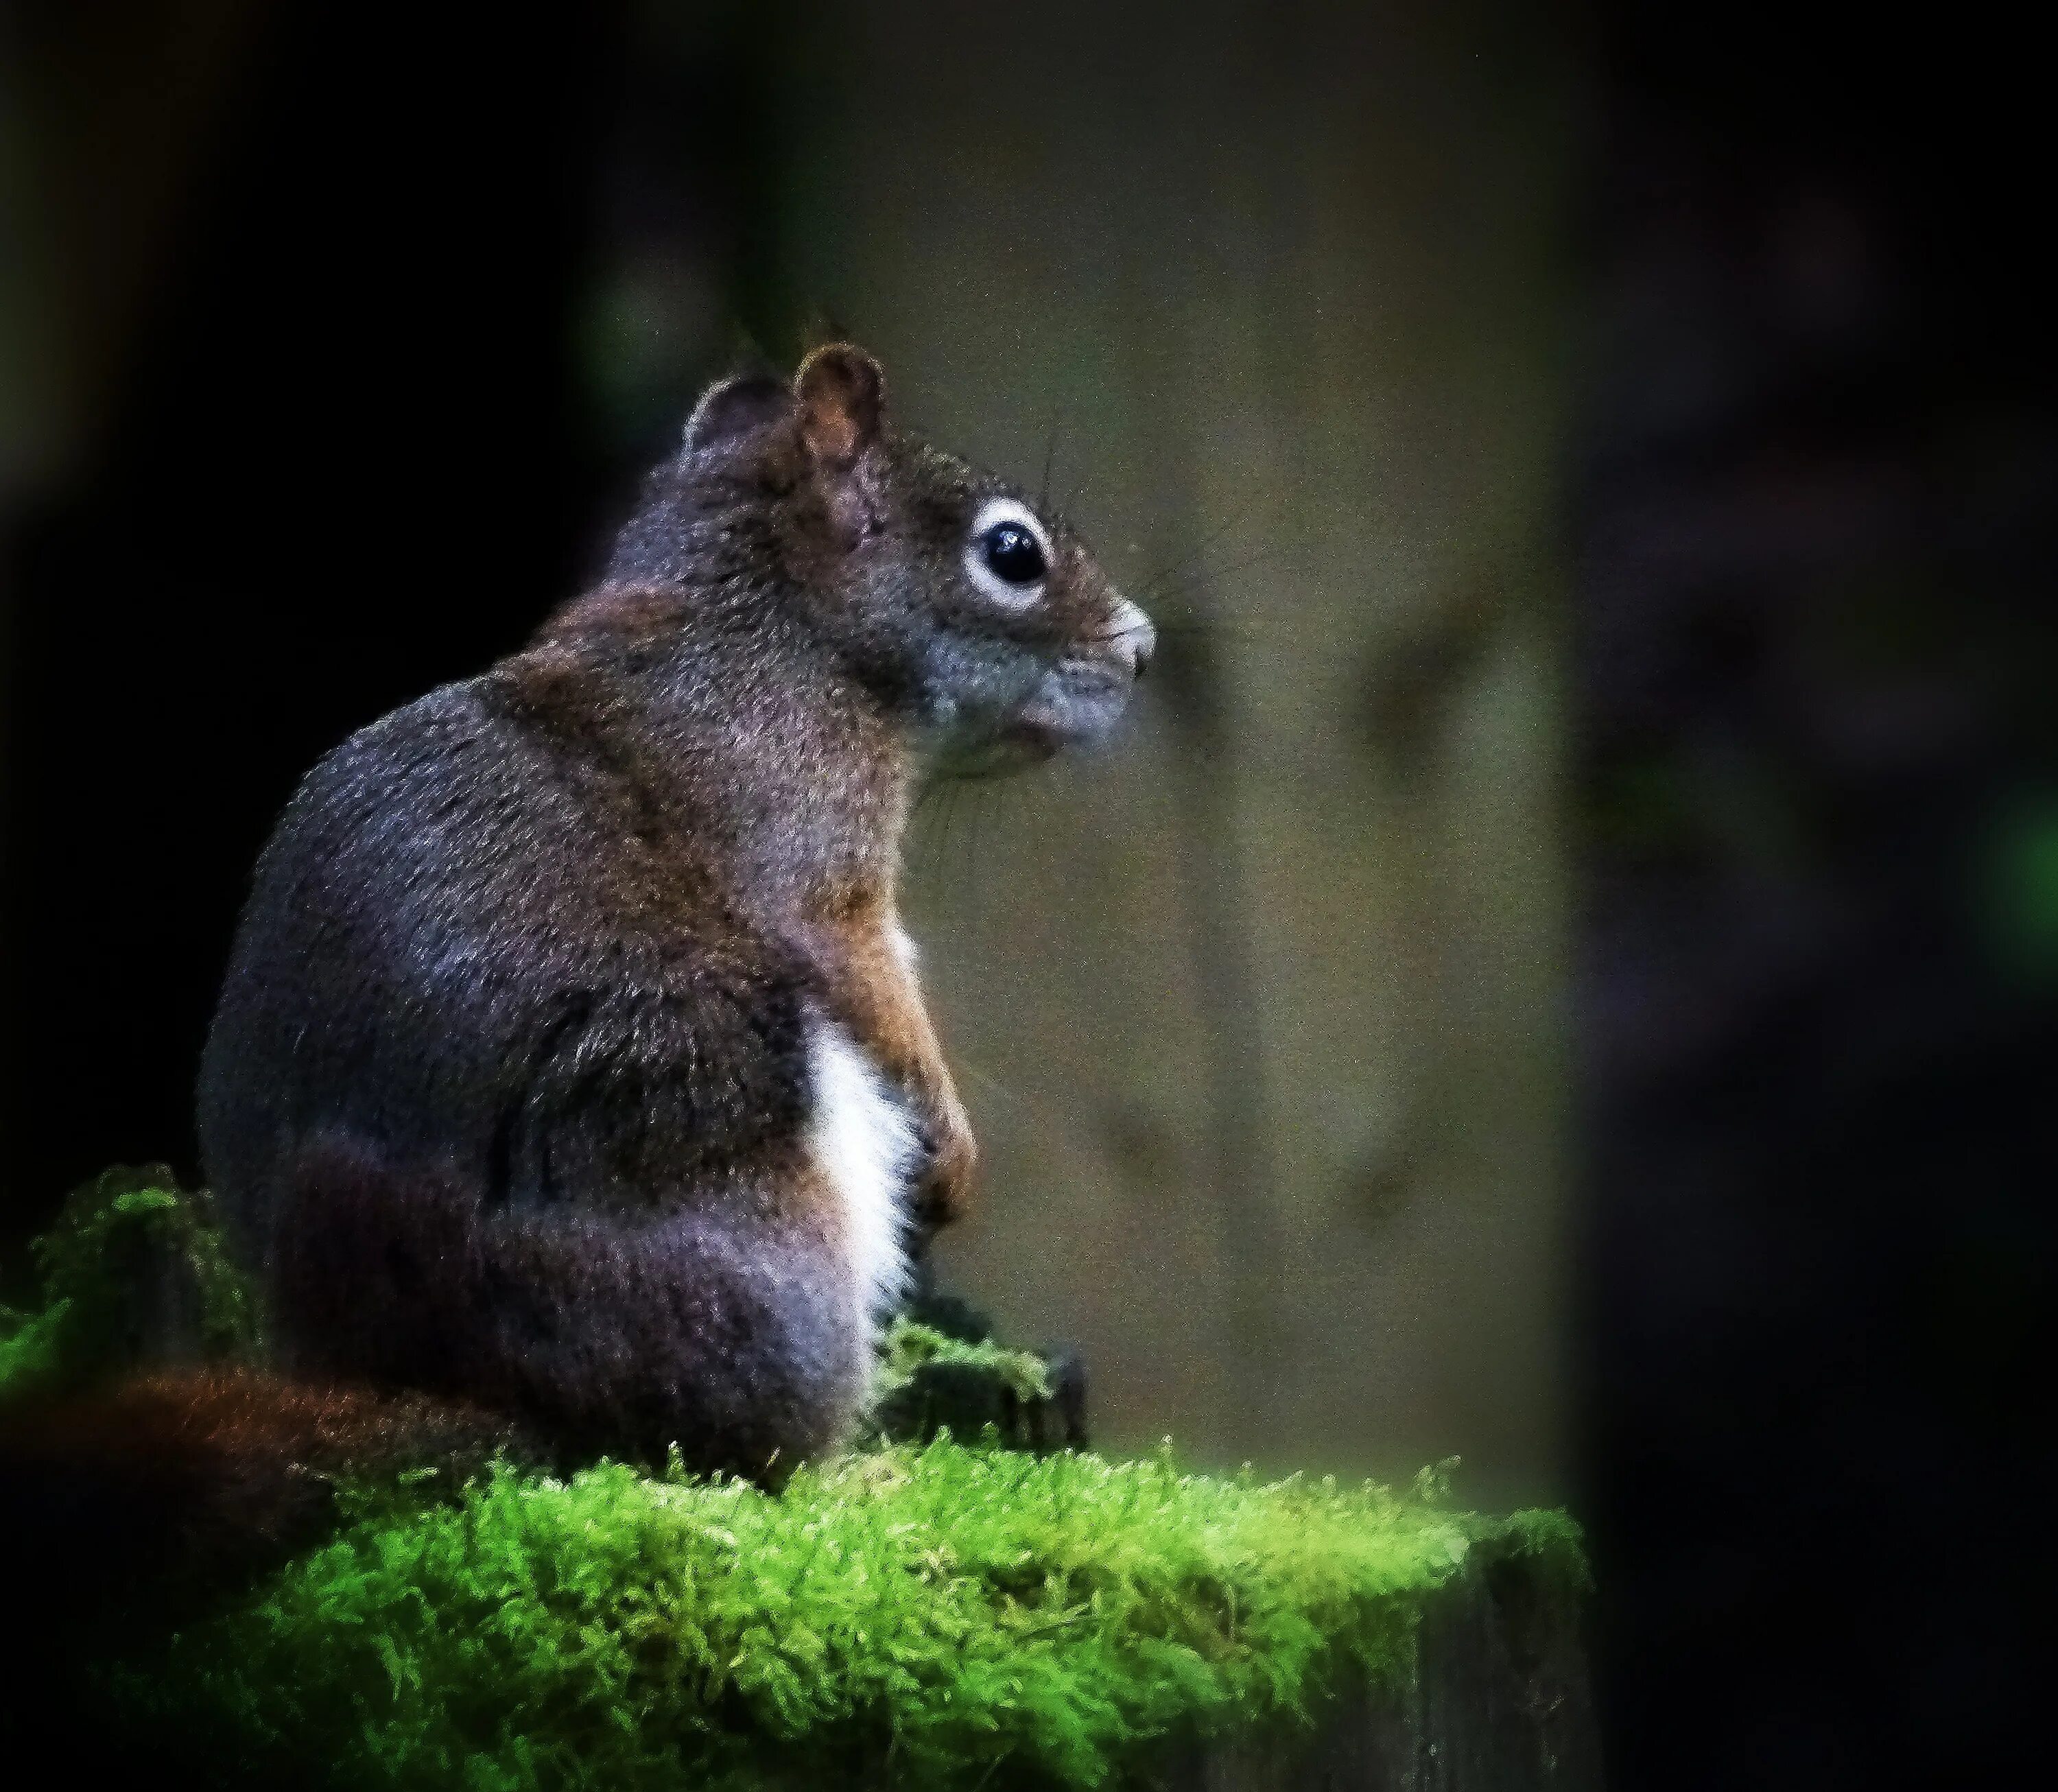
{"type": "Point", "coordinates": [1560, 970]}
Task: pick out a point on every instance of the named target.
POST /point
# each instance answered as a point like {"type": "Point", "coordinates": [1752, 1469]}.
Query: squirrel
{"type": "Point", "coordinates": [571, 1091]}
{"type": "Point", "coordinates": [571, 1061]}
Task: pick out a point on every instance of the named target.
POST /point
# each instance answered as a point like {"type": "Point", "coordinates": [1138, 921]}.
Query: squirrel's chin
{"type": "Point", "coordinates": [1022, 742]}
{"type": "Point", "coordinates": [1078, 706]}
{"type": "Point", "coordinates": [1061, 718]}
{"type": "Point", "coordinates": [1031, 741]}
{"type": "Point", "coordinates": [999, 754]}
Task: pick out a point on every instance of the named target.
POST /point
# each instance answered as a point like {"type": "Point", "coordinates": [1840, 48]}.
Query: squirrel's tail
{"type": "Point", "coordinates": [128, 1509]}
{"type": "Point", "coordinates": [131, 1511]}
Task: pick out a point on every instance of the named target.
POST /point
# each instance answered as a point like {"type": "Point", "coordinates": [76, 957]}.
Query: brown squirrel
{"type": "Point", "coordinates": [571, 1062]}
{"type": "Point", "coordinates": [571, 1091]}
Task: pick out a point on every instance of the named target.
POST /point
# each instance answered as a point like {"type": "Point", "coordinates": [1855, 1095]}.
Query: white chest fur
{"type": "Point", "coordinates": [864, 1141]}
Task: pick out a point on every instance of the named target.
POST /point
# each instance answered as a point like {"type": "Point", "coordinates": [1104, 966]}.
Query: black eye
{"type": "Point", "coordinates": [1013, 554]}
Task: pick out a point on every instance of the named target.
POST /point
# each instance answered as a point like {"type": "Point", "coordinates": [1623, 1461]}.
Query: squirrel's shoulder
{"type": "Point", "coordinates": [452, 730]}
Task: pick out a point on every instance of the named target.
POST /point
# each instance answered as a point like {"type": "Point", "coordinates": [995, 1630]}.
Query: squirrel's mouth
{"type": "Point", "coordinates": [1077, 704]}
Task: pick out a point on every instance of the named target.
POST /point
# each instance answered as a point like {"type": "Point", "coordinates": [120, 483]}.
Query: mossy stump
{"type": "Point", "coordinates": [923, 1616]}
{"type": "Point", "coordinates": [919, 1619]}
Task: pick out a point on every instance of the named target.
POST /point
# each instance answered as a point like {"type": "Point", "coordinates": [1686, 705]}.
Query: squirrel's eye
{"type": "Point", "coordinates": [1012, 553]}
{"type": "Point", "coordinates": [1008, 554]}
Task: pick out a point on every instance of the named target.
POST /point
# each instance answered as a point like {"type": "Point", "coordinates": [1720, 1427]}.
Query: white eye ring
{"type": "Point", "coordinates": [992, 587]}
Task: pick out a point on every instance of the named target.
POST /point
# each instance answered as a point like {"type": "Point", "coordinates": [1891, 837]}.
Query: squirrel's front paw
{"type": "Point", "coordinates": [950, 1163]}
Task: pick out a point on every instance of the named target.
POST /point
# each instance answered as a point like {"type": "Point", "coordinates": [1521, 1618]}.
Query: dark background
{"type": "Point", "coordinates": [1817, 497]}
{"type": "Point", "coordinates": [322, 272]}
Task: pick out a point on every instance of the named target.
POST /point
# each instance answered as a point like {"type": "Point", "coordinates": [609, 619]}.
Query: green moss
{"type": "Point", "coordinates": [969, 1616]}
{"type": "Point", "coordinates": [32, 1348]}
{"type": "Point", "coordinates": [133, 1267]}
{"type": "Point", "coordinates": [910, 1348]}
{"type": "Point", "coordinates": [1553, 1542]}
{"type": "Point", "coordinates": [957, 1612]}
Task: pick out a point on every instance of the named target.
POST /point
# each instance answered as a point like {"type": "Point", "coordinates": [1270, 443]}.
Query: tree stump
{"type": "Point", "coordinates": [1500, 1703]}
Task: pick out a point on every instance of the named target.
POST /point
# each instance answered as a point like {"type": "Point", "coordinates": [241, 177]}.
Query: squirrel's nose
{"type": "Point", "coordinates": [1133, 630]}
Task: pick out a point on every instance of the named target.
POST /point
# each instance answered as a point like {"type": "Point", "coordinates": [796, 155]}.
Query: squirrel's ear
{"type": "Point", "coordinates": [734, 407]}
{"type": "Point", "coordinates": [840, 393]}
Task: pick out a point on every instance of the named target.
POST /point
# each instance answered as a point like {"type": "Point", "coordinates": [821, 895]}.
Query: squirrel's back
{"type": "Point", "coordinates": [450, 911]}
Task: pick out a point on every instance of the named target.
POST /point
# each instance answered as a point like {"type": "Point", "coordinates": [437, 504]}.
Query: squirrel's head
{"type": "Point", "coordinates": [979, 621]}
